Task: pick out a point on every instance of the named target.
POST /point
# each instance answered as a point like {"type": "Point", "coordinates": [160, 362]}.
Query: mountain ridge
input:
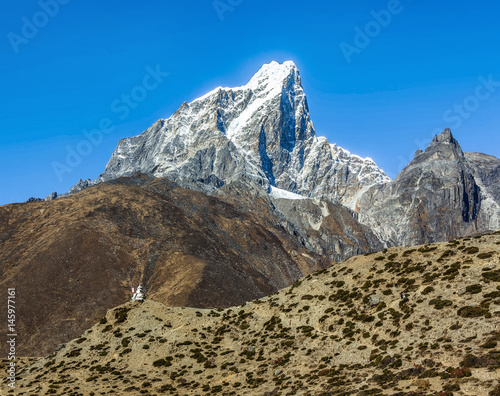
{"type": "Point", "coordinates": [262, 132]}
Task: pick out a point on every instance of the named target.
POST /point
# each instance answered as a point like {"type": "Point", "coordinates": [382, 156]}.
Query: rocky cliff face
{"type": "Point", "coordinates": [441, 194]}
{"type": "Point", "coordinates": [261, 131]}
{"type": "Point", "coordinates": [486, 171]}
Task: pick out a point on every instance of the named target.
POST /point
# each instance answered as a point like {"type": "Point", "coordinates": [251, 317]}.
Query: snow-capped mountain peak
{"type": "Point", "coordinates": [270, 79]}
{"type": "Point", "coordinates": [260, 131]}
{"type": "Point", "coordinates": [272, 76]}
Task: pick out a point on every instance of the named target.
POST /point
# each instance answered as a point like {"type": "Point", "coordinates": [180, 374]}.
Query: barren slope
{"type": "Point", "coordinates": [72, 259]}
{"type": "Point", "coordinates": [343, 330]}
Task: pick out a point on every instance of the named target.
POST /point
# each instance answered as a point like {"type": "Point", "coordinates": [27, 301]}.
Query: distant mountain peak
{"type": "Point", "coordinates": [261, 132]}
{"type": "Point", "coordinates": [443, 143]}
{"type": "Point", "coordinates": [270, 79]}
{"type": "Point", "coordinates": [444, 137]}
{"type": "Point", "coordinates": [273, 75]}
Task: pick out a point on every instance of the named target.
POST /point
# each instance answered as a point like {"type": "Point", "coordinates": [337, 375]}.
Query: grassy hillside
{"type": "Point", "coordinates": [343, 330]}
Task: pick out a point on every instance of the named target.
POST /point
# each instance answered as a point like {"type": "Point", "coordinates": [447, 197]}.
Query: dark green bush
{"type": "Point", "coordinates": [471, 250]}
{"type": "Point", "coordinates": [492, 275]}
{"type": "Point", "coordinates": [440, 304]}
{"type": "Point", "coordinates": [472, 312]}
{"type": "Point", "coordinates": [427, 290]}
{"type": "Point", "coordinates": [121, 314]}
{"type": "Point", "coordinates": [474, 289]}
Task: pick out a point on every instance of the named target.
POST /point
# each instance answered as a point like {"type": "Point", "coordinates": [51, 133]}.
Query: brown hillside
{"type": "Point", "coordinates": [74, 258]}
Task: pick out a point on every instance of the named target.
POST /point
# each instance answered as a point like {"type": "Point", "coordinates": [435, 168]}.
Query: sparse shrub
{"type": "Point", "coordinates": [427, 249]}
{"type": "Point", "coordinates": [456, 326]}
{"type": "Point", "coordinates": [162, 362]}
{"type": "Point", "coordinates": [439, 303]}
{"type": "Point", "coordinates": [492, 275]}
{"type": "Point", "coordinates": [474, 289]}
{"type": "Point", "coordinates": [471, 250]}
{"type": "Point", "coordinates": [125, 351]}
{"type": "Point", "coordinates": [460, 373]}
{"type": "Point", "coordinates": [472, 312]}
{"type": "Point", "coordinates": [496, 390]}
{"type": "Point", "coordinates": [74, 353]}
{"type": "Point", "coordinates": [427, 290]}
{"type": "Point", "coordinates": [446, 253]}
{"type": "Point", "coordinates": [451, 387]}
{"type": "Point", "coordinates": [494, 294]}
{"type": "Point", "coordinates": [121, 315]}
{"type": "Point", "coordinates": [296, 284]}
{"type": "Point", "coordinates": [367, 285]}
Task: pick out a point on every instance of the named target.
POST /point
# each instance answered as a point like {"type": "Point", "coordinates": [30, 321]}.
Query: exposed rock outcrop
{"type": "Point", "coordinates": [438, 196]}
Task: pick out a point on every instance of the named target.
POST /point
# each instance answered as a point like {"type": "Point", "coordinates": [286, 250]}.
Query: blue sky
{"type": "Point", "coordinates": [381, 77]}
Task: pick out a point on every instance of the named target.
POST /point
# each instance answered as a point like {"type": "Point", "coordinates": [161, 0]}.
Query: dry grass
{"type": "Point", "coordinates": [343, 330]}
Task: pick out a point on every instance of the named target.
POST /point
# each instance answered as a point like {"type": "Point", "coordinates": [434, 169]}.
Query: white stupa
{"type": "Point", "coordinates": [138, 294]}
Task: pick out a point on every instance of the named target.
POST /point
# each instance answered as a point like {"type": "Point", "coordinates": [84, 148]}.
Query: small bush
{"type": "Point", "coordinates": [427, 290]}
{"type": "Point", "coordinates": [427, 249]}
{"type": "Point", "coordinates": [121, 315]}
{"type": "Point", "coordinates": [492, 275]}
{"type": "Point", "coordinates": [162, 363]}
{"type": "Point", "coordinates": [471, 250]}
{"type": "Point", "coordinates": [460, 373]}
{"type": "Point", "coordinates": [474, 289]}
{"type": "Point", "coordinates": [472, 312]}
{"type": "Point", "coordinates": [440, 304]}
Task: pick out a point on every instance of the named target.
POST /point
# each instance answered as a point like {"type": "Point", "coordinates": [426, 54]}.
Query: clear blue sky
{"type": "Point", "coordinates": [69, 72]}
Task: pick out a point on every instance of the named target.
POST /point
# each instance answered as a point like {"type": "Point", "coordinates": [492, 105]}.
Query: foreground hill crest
{"type": "Point", "coordinates": [343, 330]}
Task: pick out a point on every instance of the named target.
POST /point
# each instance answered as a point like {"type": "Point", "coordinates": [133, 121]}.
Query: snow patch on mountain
{"type": "Point", "coordinates": [278, 193]}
